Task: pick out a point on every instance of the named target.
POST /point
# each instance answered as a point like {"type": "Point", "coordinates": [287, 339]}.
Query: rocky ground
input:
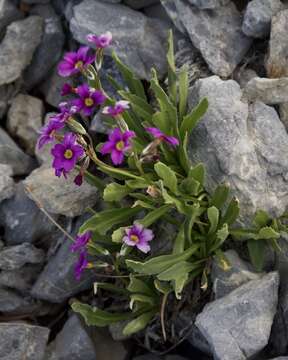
{"type": "Point", "coordinates": [237, 53]}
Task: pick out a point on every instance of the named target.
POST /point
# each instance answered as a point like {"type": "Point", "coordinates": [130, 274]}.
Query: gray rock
{"type": "Point", "coordinates": [280, 358]}
{"type": "Point", "coordinates": [8, 14]}
{"type": "Point", "coordinates": [147, 357]}
{"type": "Point", "coordinates": [239, 273]}
{"type": "Point", "coordinates": [25, 120]}
{"type": "Point", "coordinates": [31, 2]}
{"type": "Point", "coordinates": [49, 50]}
{"type": "Point", "coordinates": [23, 221]}
{"type": "Point", "coordinates": [58, 195]}
{"type": "Point", "coordinates": [57, 282]}
{"type": "Point", "coordinates": [139, 4]}
{"type": "Point", "coordinates": [15, 257]}
{"type": "Point", "coordinates": [106, 347]}
{"type": "Point", "coordinates": [209, 4]}
{"type": "Point", "coordinates": [269, 91]}
{"type": "Point", "coordinates": [22, 341]}
{"type": "Point", "coordinates": [258, 15]}
{"type": "Point", "coordinates": [277, 62]}
{"type": "Point", "coordinates": [157, 11]}
{"type": "Point", "coordinates": [138, 40]}
{"type": "Point", "coordinates": [116, 331]}
{"type": "Point", "coordinates": [12, 155]}
{"type": "Point", "coordinates": [18, 46]}
{"type": "Point", "coordinates": [73, 342]}
{"type": "Point", "coordinates": [243, 76]}
{"type": "Point", "coordinates": [216, 33]}
{"type": "Point", "coordinates": [7, 92]}
{"type": "Point", "coordinates": [20, 280]}
{"type": "Point", "coordinates": [238, 325]}
{"type": "Point", "coordinates": [237, 150]}
{"type": "Point", "coordinates": [7, 186]}
{"type": "Point", "coordinates": [283, 113]}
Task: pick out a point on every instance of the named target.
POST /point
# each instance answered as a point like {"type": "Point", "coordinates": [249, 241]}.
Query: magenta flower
{"type": "Point", "coordinates": [48, 131]}
{"type": "Point", "coordinates": [117, 109]}
{"type": "Point", "coordinates": [138, 236]}
{"type": "Point", "coordinates": [81, 241]}
{"type": "Point", "coordinates": [67, 89]}
{"type": "Point", "coordinates": [88, 99]}
{"type": "Point", "coordinates": [158, 134]}
{"type": "Point", "coordinates": [81, 264]}
{"type": "Point", "coordinates": [75, 62]}
{"type": "Point", "coordinates": [66, 154]}
{"type": "Point", "coordinates": [117, 145]}
{"type": "Point", "coordinates": [102, 41]}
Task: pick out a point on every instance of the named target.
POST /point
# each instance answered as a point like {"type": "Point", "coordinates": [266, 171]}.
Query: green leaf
{"type": "Point", "coordinates": [232, 212]}
{"type": "Point", "coordinates": [160, 263]}
{"type": "Point", "coordinates": [267, 233]}
{"type": "Point", "coordinates": [135, 85]}
{"type": "Point", "coordinates": [140, 298]}
{"type": "Point", "coordinates": [222, 260]}
{"type": "Point", "coordinates": [172, 86]}
{"type": "Point", "coordinates": [97, 317]}
{"type": "Point", "coordinates": [167, 175]}
{"type": "Point", "coordinates": [115, 192]}
{"type": "Point", "coordinates": [221, 236]}
{"type": "Point", "coordinates": [261, 218]}
{"type": "Point", "coordinates": [154, 215]}
{"type": "Point", "coordinates": [183, 91]}
{"type": "Point", "coordinates": [93, 180]}
{"type": "Point", "coordinates": [139, 105]}
{"type": "Point", "coordinates": [137, 184]}
{"type": "Point", "coordinates": [198, 173]}
{"type": "Point", "coordinates": [220, 196]}
{"type": "Point", "coordinates": [183, 155]}
{"type": "Point", "coordinates": [139, 286]}
{"type": "Point", "coordinates": [257, 253]}
{"type": "Point", "coordinates": [191, 120]}
{"type": "Point", "coordinates": [213, 217]}
{"type": "Point", "coordinates": [139, 323]}
{"type": "Point", "coordinates": [105, 220]}
{"type": "Point", "coordinates": [179, 243]}
{"type": "Point", "coordinates": [190, 186]}
{"type": "Point", "coordinates": [163, 287]}
{"type": "Point", "coordinates": [159, 119]}
{"type": "Point", "coordinates": [181, 206]}
{"type": "Point", "coordinates": [110, 287]}
{"type": "Point", "coordinates": [118, 234]}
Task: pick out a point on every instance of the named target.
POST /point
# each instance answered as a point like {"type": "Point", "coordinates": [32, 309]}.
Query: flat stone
{"type": "Point", "coordinates": [277, 61]}
{"type": "Point", "coordinates": [238, 147]}
{"type": "Point", "coordinates": [58, 195]}
{"type": "Point", "coordinates": [258, 16]}
{"type": "Point", "coordinates": [8, 13]}
{"type": "Point", "coordinates": [140, 4]}
{"type": "Point", "coordinates": [23, 221]}
{"type": "Point", "coordinates": [7, 186]}
{"type": "Point", "coordinates": [15, 257]}
{"type": "Point", "coordinates": [11, 154]}
{"type": "Point", "coordinates": [25, 120]}
{"type": "Point", "coordinates": [22, 341]}
{"type": "Point", "coordinates": [216, 33]}
{"type": "Point", "coordinates": [269, 91]}
{"type": "Point", "coordinates": [138, 40]}
{"type": "Point", "coordinates": [18, 46]}
{"type": "Point", "coordinates": [49, 50]}
{"type": "Point", "coordinates": [239, 273]}
{"type": "Point", "coordinates": [209, 4]}
{"type": "Point", "coordinates": [238, 325]}
{"type": "Point", "coordinates": [73, 342]}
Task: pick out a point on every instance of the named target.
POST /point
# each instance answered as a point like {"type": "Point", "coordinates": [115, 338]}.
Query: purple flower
{"type": "Point", "coordinates": [48, 131]}
{"type": "Point", "coordinates": [102, 41]}
{"type": "Point", "coordinates": [117, 109]}
{"type": "Point", "coordinates": [81, 241]}
{"type": "Point", "coordinates": [66, 154]}
{"type": "Point", "coordinates": [117, 145]}
{"type": "Point", "coordinates": [67, 89]}
{"type": "Point", "coordinates": [138, 236]}
{"type": "Point", "coordinates": [88, 99]}
{"type": "Point", "coordinates": [75, 62]}
{"type": "Point", "coordinates": [81, 264]}
{"type": "Point", "coordinates": [158, 134]}
{"type": "Point", "coordinates": [78, 180]}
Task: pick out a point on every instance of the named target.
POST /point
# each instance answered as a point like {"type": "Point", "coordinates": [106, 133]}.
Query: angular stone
{"type": "Point", "coordinates": [11, 154]}
{"type": "Point", "coordinates": [25, 120]}
{"type": "Point", "coordinates": [20, 280]}
{"type": "Point", "coordinates": [138, 40]}
{"type": "Point", "coordinates": [238, 325]}
{"type": "Point", "coordinates": [7, 187]}
{"type": "Point", "coordinates": [15, 257]}
{"type": "Point", "coordinates": [8, 13]}
{"type": "Point", "coordinates": [209, 4]}
{"type": "Point", "coordinates": [239, 273]}
{"type": "Point", "coordinates": [49, 50]}
{"type": "Point", "coordinates": [277, 61]}
{"type": "Point", "coordinates": [269, 91]}
{"type": "Point", "coordinates": [23, 221]}
{"type": "Point", "coordinates": [18, 46]}
{"type": "Point", "coordinates": [139, 4]}
{"type": "Point", "coordinates": [216, 33]}
{"type": "Point", "coordinates": [258, 16]}
{"type": "Point", "coordinates": [58, 195]}
{"type": "Point", "coordinates": [73, 342]}
{"type": "Point", "coordinates": [243, 76]}
{"type": "Point", "coordinates": [22, 341]}
{"type": "Point", "coordinates": [237, 149]}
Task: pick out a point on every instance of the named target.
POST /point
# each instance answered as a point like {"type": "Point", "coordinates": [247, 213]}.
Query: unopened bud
{"type": "Point", "coordinates": [76, 126]}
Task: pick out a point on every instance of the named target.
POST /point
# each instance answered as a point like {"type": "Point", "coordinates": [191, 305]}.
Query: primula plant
{"type": "Point", "coordinates": [146, 178]}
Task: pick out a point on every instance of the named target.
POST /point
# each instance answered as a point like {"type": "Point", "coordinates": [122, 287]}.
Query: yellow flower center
{"type": "Point", "coordinates": [68, 154]}
{"type": "Point", "coordinates": [120, 145]}
{"type": "Point", "coordinates": [79, 64]}
{"type": "Point", "coordinates": [134, 238]}
{"type": "Point", "coordinates": [89, 102]}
